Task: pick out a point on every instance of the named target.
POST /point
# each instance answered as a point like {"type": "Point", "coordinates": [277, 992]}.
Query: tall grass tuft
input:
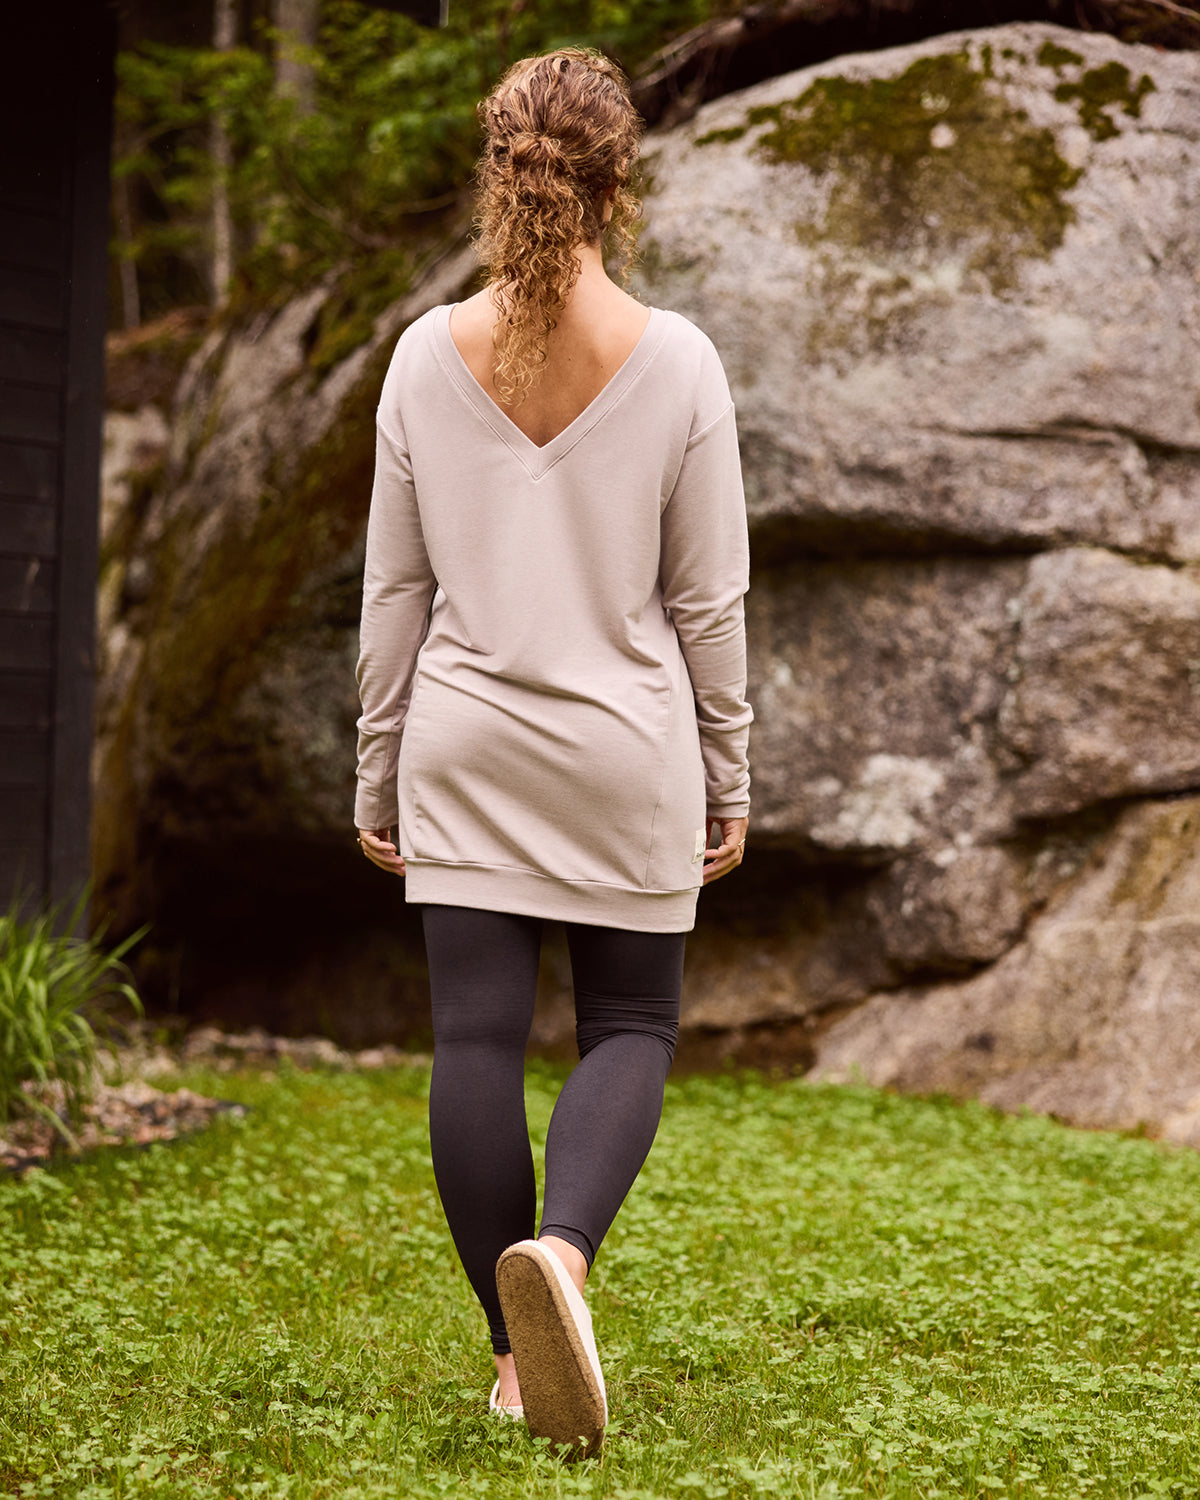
{"type": "Point", "coordinates": [55, 997]}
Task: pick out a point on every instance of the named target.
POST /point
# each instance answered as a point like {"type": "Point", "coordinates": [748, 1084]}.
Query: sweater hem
{"type": "Point", "coordinates": [527, 893]}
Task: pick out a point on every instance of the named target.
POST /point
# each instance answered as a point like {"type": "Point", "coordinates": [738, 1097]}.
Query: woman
{"type": "Point", "coordinates": [554, 722]}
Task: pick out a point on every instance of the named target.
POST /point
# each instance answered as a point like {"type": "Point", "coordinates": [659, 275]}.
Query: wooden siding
{"type": "Point", "coordinates": [55, 106]}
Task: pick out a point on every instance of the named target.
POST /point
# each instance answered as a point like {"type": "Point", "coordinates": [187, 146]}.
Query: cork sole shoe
{"type": "Point", "coordinates": [562, 1385]}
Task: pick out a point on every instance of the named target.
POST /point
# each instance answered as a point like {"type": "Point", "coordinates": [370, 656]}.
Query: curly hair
{"type": "Point", "coordinates": [560, 134]}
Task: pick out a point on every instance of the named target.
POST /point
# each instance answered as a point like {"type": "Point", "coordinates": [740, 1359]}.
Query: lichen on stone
{"type": "Point", "coordinates": [730, 133]}
{"type": "Point", "coordinates": [654, 266]}
{"type": "Point", "coordinates": [1052, 55]}
{"type": "Point", "coordinates": [860, 314]}
{"type": "Point", "coordinates": [1100, 87]}
{"type": "Point", "coordinates": [934, 163]}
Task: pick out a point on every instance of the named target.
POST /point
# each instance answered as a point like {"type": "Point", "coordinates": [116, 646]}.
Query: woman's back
{"type": "Point", "coordinates": [570, 575]}
{"type": "Point", "coordinates": [557, 551]}
{"type": "Point", "coordinates": [595, 333]}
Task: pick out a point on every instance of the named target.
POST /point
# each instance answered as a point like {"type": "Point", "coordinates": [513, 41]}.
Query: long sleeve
{"type": "Point", "coordinates": [398, 587]}
{"type": "Point", "coordinates": [705, 571]}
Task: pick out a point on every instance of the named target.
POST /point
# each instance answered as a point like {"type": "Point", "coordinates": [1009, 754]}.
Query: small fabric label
{"type": "Point", "coordinates": [701, 844]}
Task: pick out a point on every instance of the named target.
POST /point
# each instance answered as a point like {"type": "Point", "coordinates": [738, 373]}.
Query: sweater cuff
{"type": "Point", "coordinates": [374, 810]}
{"type": "Point", "coordinates": [728, 810]}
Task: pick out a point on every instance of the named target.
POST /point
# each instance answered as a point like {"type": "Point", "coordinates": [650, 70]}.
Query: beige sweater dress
{"type": "Point", "coordinates": [552, 664]}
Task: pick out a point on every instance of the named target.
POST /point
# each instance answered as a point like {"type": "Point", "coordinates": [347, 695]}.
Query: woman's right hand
{"type": "Point", "coordinates": [379, 849]}
{"type": "Point", "coordinates": [728, 854]}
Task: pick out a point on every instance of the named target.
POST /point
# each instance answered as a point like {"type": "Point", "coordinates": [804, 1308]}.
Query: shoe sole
{"type": "Point", "coordinates": [561, 1395]}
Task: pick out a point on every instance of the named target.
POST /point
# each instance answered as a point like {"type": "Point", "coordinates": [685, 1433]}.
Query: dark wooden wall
{"type": "Point", "coordinates": [56, 67]}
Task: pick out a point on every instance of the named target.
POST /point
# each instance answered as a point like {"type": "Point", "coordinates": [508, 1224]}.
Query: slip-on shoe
{"type": "Point", "coordinates": [550, 1328]}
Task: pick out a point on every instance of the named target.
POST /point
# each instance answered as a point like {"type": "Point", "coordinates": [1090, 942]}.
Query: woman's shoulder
{"type": "Point", "coordinates": [410, 367]}
{"type": "Point", "coordinates": [688, 333]}
{"type": "Point", "coordinates": [696, 365]}
{"type": "Point", "coordinates": [415, 342]}
{"type": "Point", "coordinates": [691, 345]}
{"type": "Point", "coordinates": [421, 328]}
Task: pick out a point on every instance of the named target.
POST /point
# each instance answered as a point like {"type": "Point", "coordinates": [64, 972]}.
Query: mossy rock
{"type": "Point", "coordinates": [142, 366]}
{"type": "Point", "coordinates": [1100, 87]}
{"type": "Point", "coordinates": [1052, 55]}
{"type": "Point", "coordinates": [931, 164]}
{"type": "Point", "coordinates": [346, 319]}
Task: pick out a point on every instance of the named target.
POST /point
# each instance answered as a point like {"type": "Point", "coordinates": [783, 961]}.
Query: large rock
{"type": "Point", "coordinates": [230, 610]}
{"type": "Point", "coordinates": [224, 758]}
{"type": "Point", "coordinates": [1091, 1016]}
{"type": "Point", "coordinates": [1105, 681]}
{"type": "Point", "coordinates": [877, 684]}
{"type": "Point", "coordinates": [954, 287]}
{"type": "Point", "coordinates": [954, 284]}
{"type": "Point", "coordinates": [921, 702]}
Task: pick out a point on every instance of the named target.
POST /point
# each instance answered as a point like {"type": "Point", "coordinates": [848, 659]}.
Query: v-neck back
{"type": "Point", "coordinates": [539, 457]}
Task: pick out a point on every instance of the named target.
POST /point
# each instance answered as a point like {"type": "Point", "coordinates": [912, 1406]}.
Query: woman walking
{"type": "Point", "coordinates": [554, 721]}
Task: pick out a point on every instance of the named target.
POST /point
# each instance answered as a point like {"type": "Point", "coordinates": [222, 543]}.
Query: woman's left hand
{"type": "Point", "coordinates": [380, 850]}
{"type": "Point", "coordinates": [728, 854]}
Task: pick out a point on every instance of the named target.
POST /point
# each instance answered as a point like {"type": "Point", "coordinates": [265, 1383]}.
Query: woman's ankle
{"type": "Point", "coordinates": [572, 1258]}
{"type": "Point", "coordinates": [506, 1374]}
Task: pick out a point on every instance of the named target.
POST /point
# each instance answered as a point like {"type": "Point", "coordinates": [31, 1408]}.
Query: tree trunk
{"type": "Point", "coordinates": [296, 21]}
{"type": "Point", "coordinates": [131, 308]}
{"type": "Point", "coordinates": [224, 38]}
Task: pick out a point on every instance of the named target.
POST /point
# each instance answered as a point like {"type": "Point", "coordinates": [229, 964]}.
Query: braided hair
{"type": "Point", "coordinates": [560, 133]}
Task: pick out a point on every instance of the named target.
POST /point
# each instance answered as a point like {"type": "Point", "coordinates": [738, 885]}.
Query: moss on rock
{"type": "Point", "coordinates": [730, 133]}
{"type": "Point", "coordinates": [346, 319]}
{"type": "Point", "coordinates": [934, 163]}
{"type": "Point", "coordinates": [1051, 55]}
{"type": "Point", "coordinates": [654, 267]}
{"type": "Point", "coordinates": [1100, 87]}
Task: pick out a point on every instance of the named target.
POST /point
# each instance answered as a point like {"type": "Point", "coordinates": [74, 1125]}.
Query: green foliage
{"type": "Point", "coordinates": [812, 1291]}
{"type": "Point", "coordinates": [166, 100]}
{"type": "Point", "coordinates": [390, 144]}
{"type": "Point", "coordinates": [53, 990]}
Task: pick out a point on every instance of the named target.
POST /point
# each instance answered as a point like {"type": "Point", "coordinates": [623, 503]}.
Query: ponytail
{"type": "Point", "coordinates": [561, 136]}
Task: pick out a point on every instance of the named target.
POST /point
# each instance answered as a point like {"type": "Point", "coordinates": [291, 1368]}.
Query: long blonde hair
{"type": "Point", "coordinates": [560, 133]}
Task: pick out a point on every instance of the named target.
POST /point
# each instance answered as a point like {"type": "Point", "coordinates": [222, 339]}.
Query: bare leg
{"type": "Point", "coordinates": [506, 1371]}
{"type": "Point", "coordinates": [574, 1260]}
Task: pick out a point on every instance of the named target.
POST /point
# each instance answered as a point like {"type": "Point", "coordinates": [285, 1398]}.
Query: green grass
{"type": "Point", "coordinates": [812, 1291]}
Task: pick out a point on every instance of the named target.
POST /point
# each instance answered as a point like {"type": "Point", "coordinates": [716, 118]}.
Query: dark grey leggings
{"type": "Point", "coordinates": [483, 974]}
